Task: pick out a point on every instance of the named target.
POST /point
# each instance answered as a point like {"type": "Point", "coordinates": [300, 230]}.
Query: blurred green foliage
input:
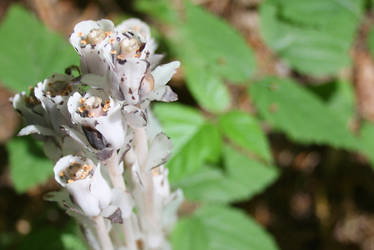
{"type": "Point", "coordinates": [210, 50]}
{"type": "Point", "coordinates": [30, 51]}
{"type": "Point", "coordinates": [28, 165]}
{"type": "Point", "coordinates": [300, 114]}
{"type": "Point", "coordinates": [304, 34]}
{"type": "Point", "coordinates": [220, 228]}
{"type": "Point", "coordinates": [220, 155]}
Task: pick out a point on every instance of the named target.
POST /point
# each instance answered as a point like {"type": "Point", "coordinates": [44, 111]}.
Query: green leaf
{"type": "Point", "coordinates": [204, 146]}
{"type": "Point", "coordinates": [208, 89]}
{"type": "Point", "coordinates": [195, 140]}
{"type": "Point", "coordinates": [252, 175]}
{"type": "Point", "coordinates": [229, 228]}
{"type": "Point", "coordinates": [218, 44]}
{"type": "Point", "coordinates": [159, 9]}
{"type": "Point", "coordinates": [28, 165]}
{"type": "Point", "coordinates": [241, 179]}
{"type": "Point", "coordinates": [30, 52]}
{"type": "Point", "coordinates": [210, 50]}
{"type": "Point", "coordinates": [210, 184]}
{"type": "Point", "coordinates": [339, 96]}
{"type": "Point", "coordinates": [319, 12]}
{"type": "Point", "coordinates": [189, 234]}
{"type": "Point", "coordinates": [180, 122]}
{"type": "Point", "coordinates": [305, 36]}
{"type": "Point", "coordinates": [245, 131]}
{"type": "Point", "coordinates": [300, 114]}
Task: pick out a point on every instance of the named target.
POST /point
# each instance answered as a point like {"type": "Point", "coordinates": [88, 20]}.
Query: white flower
{"type": "Point", "coordinates": [53, 94]}
{"type": "Point", "coordinates": [91, 39]}
{"type": "Point", "coordinates": [29, 108]}
{"type": "Point", "coordinates": [84, 182]}
{"type": "Point", "coordinates": [133, 40]}
{"type": "Point", "coordinates": [44, 111]}
{"type": "Point", "coordinates": [100, 116]}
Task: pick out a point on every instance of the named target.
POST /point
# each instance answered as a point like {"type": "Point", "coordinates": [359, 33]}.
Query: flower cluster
{"type": "Point", "coordinates": [97, 126]}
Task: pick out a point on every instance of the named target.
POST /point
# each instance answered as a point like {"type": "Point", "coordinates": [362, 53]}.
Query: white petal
{"type": "Point", "coordinates": [153, 126]}
{"type": "Point", "coordinates": [135, 25]}
{"type": "Point", "coordinates": [100, 188]}
{"type": "Point", "coordinates": [159, 151]}
{"type": "Point", "coordinates": [135, 116]}
{"type": "Point", "coordinates": [169, 213]}
{"type": "Point", "coordinates": [162, 74]}
{"type": "Point", "coordinates": [91, 193]}
{"type": "Point", "coordinates": [36, 129]}
{"type": "Point", "coordinates": [94, 80]}
{"type": "Point", "coordinates": [131, 74]}
{"type": "Point", "coordinates": [163, 93]}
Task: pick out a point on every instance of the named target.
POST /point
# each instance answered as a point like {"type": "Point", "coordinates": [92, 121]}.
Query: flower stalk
{"type": "Point", "coordinates": [98, 128]}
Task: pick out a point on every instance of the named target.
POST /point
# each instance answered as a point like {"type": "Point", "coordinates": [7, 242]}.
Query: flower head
{"type": "Point", "coordinates": [83, 179]}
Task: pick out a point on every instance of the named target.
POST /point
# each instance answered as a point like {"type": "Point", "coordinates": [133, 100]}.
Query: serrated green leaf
{"type": "Point", "coordinates": [189, 234]}
{"type": "Point", "coordinates": [241, 179]}
{"type": "Point", "coordinates": [203, 146]}
{"type": "Point", "coordinates": [244, 130]}
{"type": "Point", "coordinates": [319, 12]}
{"type": "Point", "coordinates": [29, 52]}
{"type": "Point", "coordinates": [208, 89]}
{"type": "Point", "coordinates": [210, 184]}
{"type": "Point", "coordinates": [229, 228]}
{"type": "Point", "coordinates": [180, 122]}
{"type": "Point", "coordinates": [195, 140]}
{"type": "Point", "coordinates": [218, 44]}
{"type": "Point", "coordinates": [211, 51]}
{"type": "Point", "coordinates": [28, 165]}
{"type": "Point", "coordinates": [252, 175]}
{"type": "Point", "coordinates": [305, 36]}
{"type": "Point", "coordinates": [301, 114]}
{"type": "Point", "coordinates": [339, 97]}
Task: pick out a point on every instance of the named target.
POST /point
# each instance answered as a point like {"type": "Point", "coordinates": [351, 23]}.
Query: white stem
{"type": "Point", "coordinates": [141, 146]}
{"type": "Point", "coordinates": [115, 176]}
{"type": "Point", "coordinates": [118, 182]}
{"type": "Point", "coordinates": [102, 234]}
{"type": "Point", "coordinates": [150, 213]}
{"type": "Point", "coordinates": [129, 234]}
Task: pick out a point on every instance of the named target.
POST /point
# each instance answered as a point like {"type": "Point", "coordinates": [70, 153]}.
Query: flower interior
{"type": "Point", "coordinates": [75, 172]}
{"type": "Point", "coordinates": [93, 106]}
{"type": "Point", "coordinates": [94, 37]}
{"type": "Point", "coordinates": [130, 46]}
